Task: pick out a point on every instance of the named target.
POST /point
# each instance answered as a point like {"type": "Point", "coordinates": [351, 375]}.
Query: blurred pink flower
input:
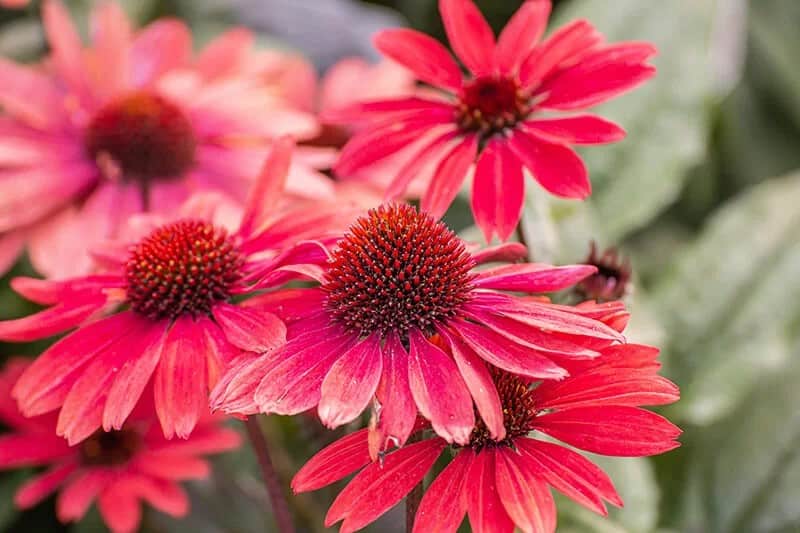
{"type": "Point", "coordinates": [170, 291]}
{"type": "Point", "coordinates": [134, 122]}
{"type": "Point", "coordinates": [399, 294]}
{"type": "Point", "coordinates": [497, 116]}
{"type": "Point", "coordinates": [503, 482]}
{"type": "Point", "coordinates": [117, 469]}
{"type": "Point", "coordinates": [14, 4]}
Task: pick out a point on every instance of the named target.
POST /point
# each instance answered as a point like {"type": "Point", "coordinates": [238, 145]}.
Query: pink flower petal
{"type": "Point", "coordinates": [469, 34]}
{"type": "Point", "coordinates": [82, 412]}
{"type": "Point", "coordinates": [424, 162]}
{"type": "Point", "coordinates": [533, 277]}
{"type": "Point", "coordinates": [11, 245]}
{"type": "Point", "coordinates": [111, 36]}
{"type": "Point", "coordinates": [40, 487]}
{"type": "Point", "coordinates": [444, 503]}
{"type": "Point", "coordinates": [526, 498]}
{"type": "Point", "coordinates": [45, 384]}
{"type": "Point", "coordinates": [556, 167]}
{"type": "Point", "coordinates": [564, 47]}
{"type": "Point", "coordinates": [164, 45]}
{"type": "Point", "coordinates": [265, 193]}
{"type": "Point", "coordinates": [496, 350]}
{"type": "Point", "coordinates": [570, 473]}
{"type": "Point", "coordinates": [250, 329]}
{"type": "Point", "coordinates": [224, 52]}
{"type": "Point", "coordinates": [611, 430]}
{"type": "Point", "coordinates": [508, 252]}
{"type": "Point", "coordinates": [51, 321]}
{"type": "Point", "coordinates": [234, 392]}
{"type": "Point", "coordinates": [292, 383]}
{"type": "Point", "coordinates": [27, 94]}
{"type": "Point", "coordinates": [580, 129]}
{"type": "Point", "coordinates": [172, 466]}
{"type": "Point", "coordinates": [498, 191]}
{"type": "Point", "coordinates": [180, 387]}
{"type": "Point", "coordinates": [30, 449]}
{"type": "Point", "coordinates": [350, 384]}
{"type": "Point", "coordinates": [521, 34]}
{"type": "Point", "coordinates": [439, 391]}
{"type": "Point", "coordinates": [395, 413]}
{"type": "Point", "coordinates": [164, 495]}
{"type": "Point", "coordinates": [555, 320]}
{"type": "Point", "coordinates": [120, 509]}
{"type": "Point", "coordinates": [480, 385]}
{"type": "Point", "coordinates": [484, 507]}
{"type": "Point", "coordinates": [379, 487]}
{"type": "Point", "coordinates": [426, 57]}
{"type": "Point", "coordinates": [65, 44]}
{"type": "Point", "coordinates": [360, 111]}
{"type": "Point", "coordinates": [449, 176]}
{"type": "Point", "coordinates": [79, 493]}
{"type": "Point", "coordinates": [133, 376]}
{"type": "Point", "coordinates": [605, 73]}
{"type": "Point", "coordinates": [334, 462]}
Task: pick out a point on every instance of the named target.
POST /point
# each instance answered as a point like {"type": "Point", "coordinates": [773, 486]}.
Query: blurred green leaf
{"type": "Point", "coordinates": [9, 483]}
{"type": "Point", "coordinates": [750, 469]}
{"type": "Point", "coordinates": [731, 301]}
{"type": "Point", "coordinates": [666, 119]}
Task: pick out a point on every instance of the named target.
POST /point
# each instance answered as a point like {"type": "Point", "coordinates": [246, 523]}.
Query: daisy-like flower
{"type": "Point", "coordinates": [499, 116]}
{"type": "Point", "coordinates": [402, 321]}
{"type": "Point", "coordinates": [503, 482]}
{"type": "Point", "coordinates": [117, 469]}
{"type": "Point", "coordinates": [133, 122]}
{"type": "Point", "coordinates": [173, 314]}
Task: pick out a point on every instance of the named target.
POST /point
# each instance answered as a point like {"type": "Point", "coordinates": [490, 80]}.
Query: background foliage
{"type": "Point", "coordinates": [704, 196]}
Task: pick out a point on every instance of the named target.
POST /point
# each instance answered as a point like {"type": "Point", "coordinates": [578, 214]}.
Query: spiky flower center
{"type": "Point", "coordinates": [182, 267]}
{"type": "Point", "coordinates": [110, 448]}
{"type": "Point", "coordinates": [396, 269]}
{"type": "Point", "coordinates": [490, 104]}
{"type": "Point", "coordinates": [145, 135]}
{"type": "Point", "coordinates": [519, 411]}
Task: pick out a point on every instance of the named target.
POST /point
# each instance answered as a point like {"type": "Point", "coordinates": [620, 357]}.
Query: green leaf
{"type": "Point", "coordinates": [751, 465]}
{"type": "Point", "coordinates": [666, 118]}
{"type": "Point", "coordinates": [731, 302]}
{"type": "Point", "coordinates": [9, 483]}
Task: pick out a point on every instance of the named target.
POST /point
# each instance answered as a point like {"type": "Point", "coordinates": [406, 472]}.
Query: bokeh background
{"type": "Point", "coordinates": [703, 196]}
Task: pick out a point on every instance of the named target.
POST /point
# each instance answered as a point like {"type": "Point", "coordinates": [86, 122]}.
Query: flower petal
{"type": "Point", "coordinates": [570, 473]}
{"type": "Point", "coordinates": [180, 387]}
{"type": "Point", "coordinates": [502, 253]}
{"type": "Point", "coordinates": [40, 487]}
{"type": "Point", "coordinates": [485, 510]}
{"type": "Point", "coordinates": [526, 498]}
{"type": "Point", "coordinates": [580, 129]}
{"type": "Point", "coordinates": [469, 34]}
{"type": "Point", "coordinates": [444, 504]}
{"type": "Point", "coordinates": [556, 167]}
{"type": "Point", "coordinates": [79, 493]}
{"type": "Point", "coordinates": [266, 191]}
{"type": "Point", "coordinates": [379, 487]}
{"type": "Point", "coordinates": [351, 382]}
{"type": "Point", "coordinates": [496, 350]}
{"type": "Point", "coordinates": [120, 509]}
{"type": "Point", "coordinates": [250, 329]}
{"type": "Point", "coordinates": [533, 277]}
{"type": "Point", "coordinates": [521, 34]}
{"type": "Point", "coordinates": [611, 430]}
{"type": "Point", "coordinates": [449, 176]}
{"type": "Point", "coordinates": [65, 44]}
{"type": "Point", "coordinates": [111, 37]}
{"type": "Point", "coordinates": [56, 319]}
{"type": "Point", "coordinates": [164, 45]}
{"type": "Point", "coordinates": [395, 412]}
{"type": "Point", "coordinates": [439, 391]}
{"type": "Point", "coordinates": [426, 57]}
{"type": "Point", "coordinates": [566, 46]}
{"type": "Point", "coordinates": [334, 462]}
{"type": "Point", "coordinates": [498, 191]}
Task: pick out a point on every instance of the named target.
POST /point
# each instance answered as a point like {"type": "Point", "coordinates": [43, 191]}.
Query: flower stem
{"type": "Point", "coordinates": [280, 507]}
{"type": "Point", "coordinates": [415, 496]}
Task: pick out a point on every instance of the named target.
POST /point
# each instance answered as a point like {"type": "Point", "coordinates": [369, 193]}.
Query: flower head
{"type": "Point", "coordinates": [118, 469]}
{"type": "Point", "coordinates": [403, 321]}
{"type": "Point", "coordinates": [503, 482]}
{"type": "Point", "coordinates": [169, 290]}
{"type": "Point", "coordinates": [498, 116]}
{"type": "Point", "coordinates": [133, 122]}
{"type": "Point", "coordinates": [612, 280]}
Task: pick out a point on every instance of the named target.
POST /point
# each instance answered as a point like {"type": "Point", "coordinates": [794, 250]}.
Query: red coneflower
{"type": "Point", "coordinates": [612, 280]}
{"type": "Point", "coordinates": [403, 321]}
{"type": "Point", "coordinates": [498, 116]}
{"type": "Point", "coordinates": [503, 482]}
{"type": "Point", "coordinates": [178, 322]}
{"type": "Point", "coordinates": [117, 469]}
